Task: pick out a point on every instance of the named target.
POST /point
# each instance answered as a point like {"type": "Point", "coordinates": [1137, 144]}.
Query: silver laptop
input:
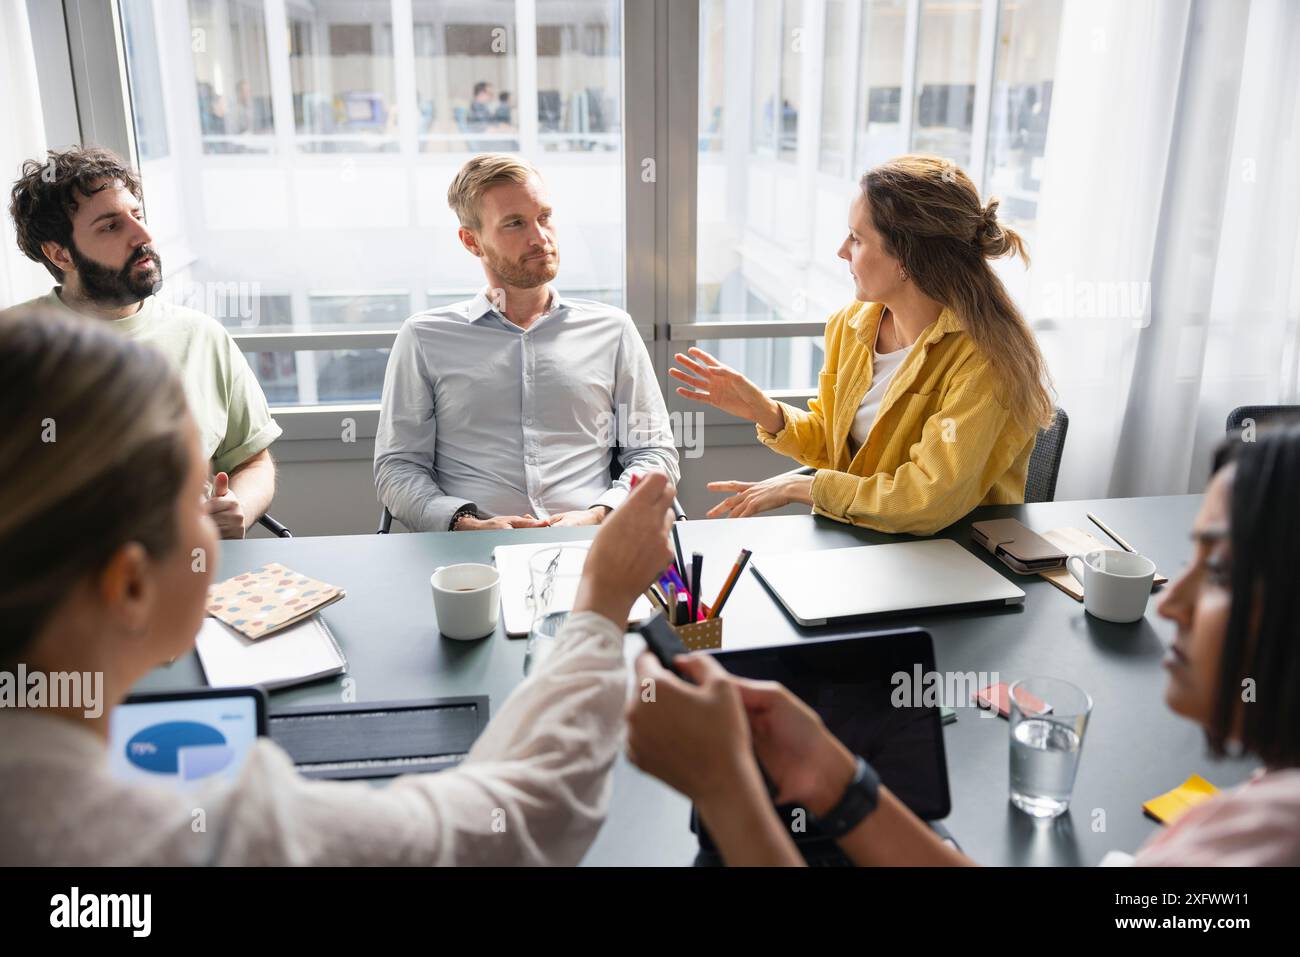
{"type": "Point", "coordinates": [828, 585]}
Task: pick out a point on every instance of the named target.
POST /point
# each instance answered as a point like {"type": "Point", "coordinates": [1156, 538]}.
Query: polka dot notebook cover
{"type": "Point", "coordinates": [261, 602]}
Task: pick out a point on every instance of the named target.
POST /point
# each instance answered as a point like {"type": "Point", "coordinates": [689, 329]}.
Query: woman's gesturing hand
{"type": "Point", "coordinates": [724, 388]}
{"type": "Point", "coordinates": [754, 498]}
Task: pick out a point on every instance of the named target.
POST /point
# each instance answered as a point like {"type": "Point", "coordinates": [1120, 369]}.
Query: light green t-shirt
{"type": "Point", "coordinates": [225, 399]}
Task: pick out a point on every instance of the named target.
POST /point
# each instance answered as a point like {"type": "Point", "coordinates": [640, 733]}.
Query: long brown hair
{"type": "Point", "coordinates": [930, 216]}
{"type": "Point", "coordinates": [93, 455]}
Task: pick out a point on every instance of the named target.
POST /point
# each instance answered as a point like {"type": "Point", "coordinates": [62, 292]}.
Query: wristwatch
{"type": "Point", "coordinates": [860, 799]}
{"type": "Point", "coordinates": [469, 508]}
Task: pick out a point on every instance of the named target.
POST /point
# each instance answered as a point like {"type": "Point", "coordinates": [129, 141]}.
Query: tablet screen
{"type": "Point", "coordinates": [848, 683]}
{"type": "Point", "coordinates": [182, 740]}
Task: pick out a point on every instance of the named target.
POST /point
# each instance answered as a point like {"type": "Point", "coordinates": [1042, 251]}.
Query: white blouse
{"type": "Point", "coordinates": [883, 367]}
{"type": "Point", "coordinates": [534, 789]}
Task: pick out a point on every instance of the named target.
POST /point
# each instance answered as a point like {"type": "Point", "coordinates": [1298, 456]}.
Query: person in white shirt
{"type": "Point", "coordinates": [98, 538]}
{"type": "Point", "coordinates": [505, 411]}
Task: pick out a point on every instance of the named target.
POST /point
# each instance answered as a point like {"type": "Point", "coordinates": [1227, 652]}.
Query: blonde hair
{"type": "Point", "coordinates": [930, 216]}
{"type": "Point", "coordinates": [93, 455]}
{"type": "Point", "coordinates": [478, 176]}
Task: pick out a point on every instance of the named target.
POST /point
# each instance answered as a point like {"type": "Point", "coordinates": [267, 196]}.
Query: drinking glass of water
{"type": "Point", "coordinates": [553, 575]}
{"type": "Point", "coordinates": [1048, 720]}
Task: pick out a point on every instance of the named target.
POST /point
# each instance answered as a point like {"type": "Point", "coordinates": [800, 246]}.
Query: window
{"type": "Point", "coordinates": [896, 76]}
{"type": "Point", "coordinates": [231, 76]}
{"type": "Point", "coordinates": [314, 214]}
{"type": "Point", "coordinates": [325, 133]}
{"type": "Point", "coordinates": [882, 37]}
{"type": "Point", "coordinates": [578, 74]}
{"type": "Point", "coordinates": [1022, 103]}
{"type": "Point", "coordinates": [466, 76]}
{"type": "Point", "coordinates": [832, 153]}
{"type": "Point", "coordinates": [144, 76]}
{"type": "Point", "coordinates": [946, 67]}
{"type": "Point", "coordinates": [341, 69]}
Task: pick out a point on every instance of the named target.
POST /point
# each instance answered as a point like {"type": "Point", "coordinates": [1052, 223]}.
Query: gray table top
{"type": "Point", "coordinates": [1135, 748]}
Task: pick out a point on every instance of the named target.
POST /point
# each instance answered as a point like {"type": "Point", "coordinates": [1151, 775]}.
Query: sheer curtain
{"type": "Point", "coordinates": [1165, 285]}
{"type": "Point", "coordinates": [21, 137]}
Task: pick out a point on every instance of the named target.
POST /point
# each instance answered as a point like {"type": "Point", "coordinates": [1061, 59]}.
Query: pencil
{"type": "Point", "coordinates": [730, 583]}
{"type": "Point", "coordinates": [1105, 528]}
{"type": "Point", "coordinates": [653, 595]}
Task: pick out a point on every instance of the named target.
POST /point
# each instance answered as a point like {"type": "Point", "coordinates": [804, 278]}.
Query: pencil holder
{"type": "Point", "coordinates": [701, 635]}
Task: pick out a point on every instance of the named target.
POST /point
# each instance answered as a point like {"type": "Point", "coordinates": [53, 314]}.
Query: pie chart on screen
{"type": "Point", "coordinates": [189, 750]}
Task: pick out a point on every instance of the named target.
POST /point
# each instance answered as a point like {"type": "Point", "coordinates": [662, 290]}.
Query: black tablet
{"type": "Point", "coordinates": [850, 682]}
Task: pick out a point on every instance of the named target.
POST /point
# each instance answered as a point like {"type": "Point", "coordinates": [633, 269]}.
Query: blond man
{"type": "Point", "coordinates": [506, 410]}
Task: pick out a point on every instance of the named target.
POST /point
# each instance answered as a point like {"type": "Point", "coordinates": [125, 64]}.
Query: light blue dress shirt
{"type": "Point", "coordinates": [477, 411]}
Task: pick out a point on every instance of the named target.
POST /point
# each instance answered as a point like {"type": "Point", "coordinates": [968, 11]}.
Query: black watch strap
{"type": "Point", "coordinates": [860, 799]}
{"type": "Point", "coordinates": [469, 508]}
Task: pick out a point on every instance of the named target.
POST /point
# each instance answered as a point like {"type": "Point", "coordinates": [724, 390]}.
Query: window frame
{"type": "Point", "coordinates": [660, 123]}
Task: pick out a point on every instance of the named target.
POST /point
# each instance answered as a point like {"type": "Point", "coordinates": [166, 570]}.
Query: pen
{"type": "Point", "coordinates": [732, 576]}
{"type": "Point", "coordinates": [1119, 541]}
{"type": "Point", "coordinates": [697, 572]}
{"type": "Point", "coordinates": [672, 604]}
{"type": "Point", "coordinates": [677, 546]}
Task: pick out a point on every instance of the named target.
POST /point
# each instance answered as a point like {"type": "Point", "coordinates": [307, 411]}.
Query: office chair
{"type": "Point", "coordinates": [275, 528]}
{"type": "Point", "coordinates": [615, 470]}
{"type": "Point", "coordinates": [1262, 415]}
{"type": "Point", "coordinates": [1044, 461]}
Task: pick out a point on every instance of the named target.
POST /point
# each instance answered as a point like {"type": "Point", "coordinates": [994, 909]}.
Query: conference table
{"type": "Point", "coordinates": [1135, 748]}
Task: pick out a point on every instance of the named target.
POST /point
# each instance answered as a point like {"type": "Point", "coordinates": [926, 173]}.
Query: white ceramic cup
{"type": "Point", "coordinates": [1116, 584]}
{"type": "Point", "coordinates": [467, 600]}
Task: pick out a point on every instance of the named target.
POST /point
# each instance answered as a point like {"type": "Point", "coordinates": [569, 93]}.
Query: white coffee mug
{"type": "Point", "coordinates": [1116, 584]}
{"type": "Point", "coordinates": [467, 600]}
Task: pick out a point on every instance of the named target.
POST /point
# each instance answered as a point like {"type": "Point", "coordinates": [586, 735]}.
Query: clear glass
{"type": "Point", "coordinates": [579, 75]}
{"type": "Point", "coordinates": [466, 76]}
{"type": "Point", "coordinates": [880, 67]}
{"type": "Point", "coordinates": [342, 76]}
{"type": "Point", "coordinates": [713, 75]}
{"type": "Point", "coordinates": [1028, 34]}
{"type": "Point", "coordinates": [831, 154]}
{"type": "Point", "coordinates": [787, 363]}
{"type": "Point", "coordinates": [553, 575]}
{"type": "Point", "coordinates": [766, 66]}
{"type": "Point", "coordinates": [1049, 717]}
{"type": "Point", "coordinates": [146, 78]}
{"type": "Point", "coordinates": [321, 376]}
{"type": "Point", "coordinates": [232, 77]}
{"type": "Point", "coordinates": [947, 61]}
{"type": "Point", "coordinates": [792, 42]}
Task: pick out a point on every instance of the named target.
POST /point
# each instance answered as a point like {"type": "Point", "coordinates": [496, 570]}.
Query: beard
{"type": "Point", "coordinates": [522, 274]}
{"type": "Point", "coordinates": [109, 287]}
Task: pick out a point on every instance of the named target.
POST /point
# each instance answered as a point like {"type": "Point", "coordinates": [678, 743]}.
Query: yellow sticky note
{"type": "Point", "coordinates": [1172, 805]}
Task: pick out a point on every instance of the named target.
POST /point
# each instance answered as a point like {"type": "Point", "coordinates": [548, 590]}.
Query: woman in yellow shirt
{"type": "Point", "coordinates": [933, 389]}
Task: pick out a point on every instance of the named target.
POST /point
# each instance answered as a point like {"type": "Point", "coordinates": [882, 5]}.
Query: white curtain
{"type": "Point", "coordinates": [1164, 287]}
{"type": "Point", "coordinates": [21, 137]}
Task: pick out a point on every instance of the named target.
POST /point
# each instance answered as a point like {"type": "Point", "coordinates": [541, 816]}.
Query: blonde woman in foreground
{"type": "Point", "coordinates": [96, 538]}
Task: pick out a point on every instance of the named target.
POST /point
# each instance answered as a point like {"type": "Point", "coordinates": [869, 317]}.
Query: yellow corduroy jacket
{"type": "Point", "coordinates": [941, 442]}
